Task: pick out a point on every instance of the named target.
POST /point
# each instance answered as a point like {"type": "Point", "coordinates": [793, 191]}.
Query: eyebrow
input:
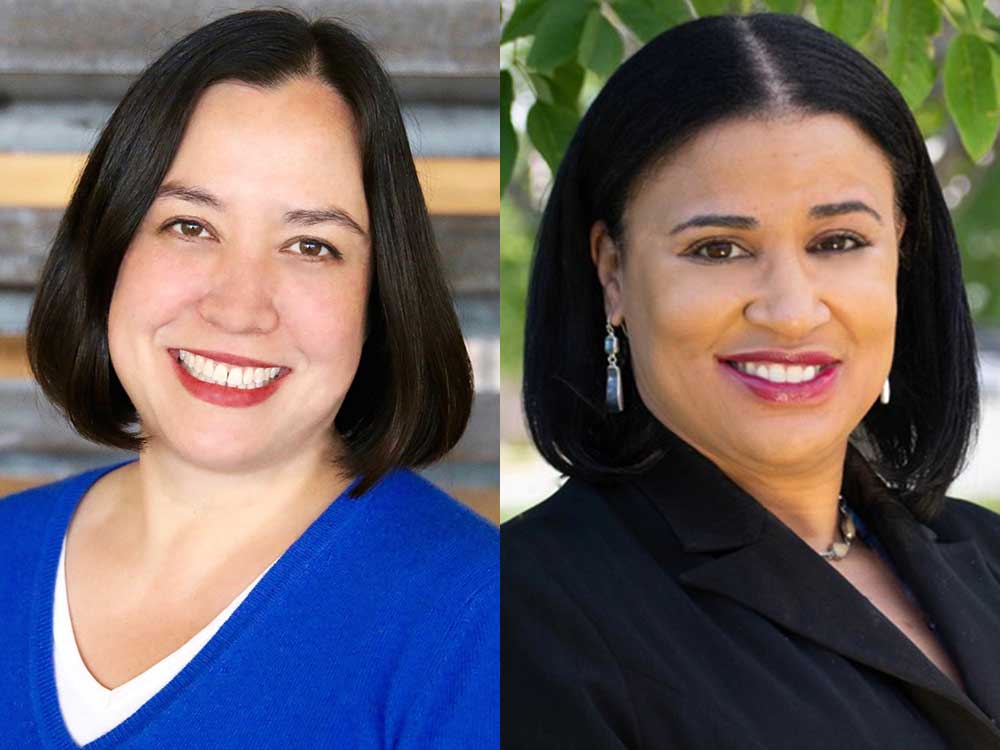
{"type": "Point", "coordinates": [731, 221]}
{"type": "Point", "coordinates": [303, 216]}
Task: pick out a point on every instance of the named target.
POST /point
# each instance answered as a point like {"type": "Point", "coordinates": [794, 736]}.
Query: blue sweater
{"type": "Point", "coordinates": [378, 628]}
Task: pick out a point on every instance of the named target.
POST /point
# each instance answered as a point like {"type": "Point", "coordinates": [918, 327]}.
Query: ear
{"type": "Point", "coordinates": [607, 258]}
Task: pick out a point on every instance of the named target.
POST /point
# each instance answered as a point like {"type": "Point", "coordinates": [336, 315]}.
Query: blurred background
{"type": "Point", "coordinates": [944, 55]}
{"type": "Point", "coordinates": [65, 65]}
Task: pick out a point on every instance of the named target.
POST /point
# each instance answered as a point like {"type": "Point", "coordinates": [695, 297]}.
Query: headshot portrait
{"type": "Point", "coordinates": [269, 334]}
{"type": "Point", "coordinates": [749, 348]}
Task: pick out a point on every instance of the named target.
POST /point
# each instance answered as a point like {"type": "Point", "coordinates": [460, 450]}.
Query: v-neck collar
{"type": "Point", "coordinates": [747, 554]}
{"type": "Point", "coordinates": [41, 671]}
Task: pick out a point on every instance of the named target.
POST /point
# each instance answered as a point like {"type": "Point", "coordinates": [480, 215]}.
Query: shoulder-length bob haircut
{"type": "Point", "coordinates": [410, 399]}
{"type": "Point", "coordinates": [690, 77]}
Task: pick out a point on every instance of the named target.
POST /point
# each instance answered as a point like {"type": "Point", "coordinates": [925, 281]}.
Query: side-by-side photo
{"type": "Point", "coordinates": [750, 375]}
{"type": "Point", "coordinates": [249, 375]}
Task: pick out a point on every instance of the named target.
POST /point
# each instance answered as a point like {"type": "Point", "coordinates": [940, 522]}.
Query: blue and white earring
{"type": "Point", "coordinates": [613, 389]}
{"type": "Point", "coordinates": [884, 398]}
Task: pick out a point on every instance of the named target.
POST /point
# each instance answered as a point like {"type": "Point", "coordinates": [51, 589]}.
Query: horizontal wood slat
{"type": "Point", "coordinates": [13, 358]}
{"type": "Point", "coordinates": [483, 500]}
{"type": "Point", "coordinates": [456, 187]}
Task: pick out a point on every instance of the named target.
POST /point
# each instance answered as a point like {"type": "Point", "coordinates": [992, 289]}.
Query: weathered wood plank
{"type": "Point", "coordinates": [447, 48]}
{"type": "Point", "coordinates": [442, 130]}
{"type": "Point", "coordinates": [461, 186]}
{"type": "Point", "coordinates": [470, 248]}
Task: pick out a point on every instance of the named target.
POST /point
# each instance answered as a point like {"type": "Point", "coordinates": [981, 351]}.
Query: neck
{"type": "Point", "coordinates": [805, 499]}
{"type": "Point", "coordinates": [185, 513]}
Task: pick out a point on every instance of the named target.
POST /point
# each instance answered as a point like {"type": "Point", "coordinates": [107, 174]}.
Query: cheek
{"type": "Point", "coordinates": [151, 288]}
{"type": "Point", "coordinates": [674, 310]}
{"type": "Point", "coordinates": [865, 298]}
{"type": "Point", "coordinates": [326, 317]}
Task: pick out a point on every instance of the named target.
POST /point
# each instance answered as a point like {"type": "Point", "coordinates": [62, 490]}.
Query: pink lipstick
{"type": "Point", "coordinates": [812, 391]}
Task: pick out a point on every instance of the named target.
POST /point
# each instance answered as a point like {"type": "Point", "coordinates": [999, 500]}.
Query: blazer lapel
{"type": "Point", "coordinates": [750, 556]}
{"type": "Point", "coordinates": [957, 591]}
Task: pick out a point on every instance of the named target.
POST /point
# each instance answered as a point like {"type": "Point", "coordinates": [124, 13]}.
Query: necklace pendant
{"type": "Point", "coordinates": [840, 550]}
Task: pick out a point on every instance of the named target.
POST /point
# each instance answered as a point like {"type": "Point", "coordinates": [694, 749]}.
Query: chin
{"type": "Point", "coordinates": [783, 451]}
{"type": "Point", "coordinates": [213, 452]}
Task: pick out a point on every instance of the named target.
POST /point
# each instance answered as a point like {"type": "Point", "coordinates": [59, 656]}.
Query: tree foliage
{"type": "Point", "coordinates": [552, 46]}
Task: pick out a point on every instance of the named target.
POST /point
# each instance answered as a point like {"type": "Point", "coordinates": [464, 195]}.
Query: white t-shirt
{"type": "Point", "coordinates": [88, 708]}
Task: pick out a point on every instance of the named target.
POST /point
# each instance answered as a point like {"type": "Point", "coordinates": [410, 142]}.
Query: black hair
{"type": "Point", "coordinates": [411, 397]}
{"type": "Point", "coordinates": [690, 77]}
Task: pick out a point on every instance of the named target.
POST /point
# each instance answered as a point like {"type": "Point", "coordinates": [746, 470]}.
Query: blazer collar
{"type": "Point", "coordinates": [750, 556]}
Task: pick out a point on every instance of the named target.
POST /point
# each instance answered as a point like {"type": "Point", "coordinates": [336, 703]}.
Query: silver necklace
{"type": "Point", "coordinates": [839, 550]}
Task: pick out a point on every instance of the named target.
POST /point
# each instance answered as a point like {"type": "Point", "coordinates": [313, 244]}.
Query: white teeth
{"type": "Point", "coordinates": [210, 371]}
{"type": "Point", "coordinates": [777, 373]}
{"type": "Point", "coordinates": [221, 373]}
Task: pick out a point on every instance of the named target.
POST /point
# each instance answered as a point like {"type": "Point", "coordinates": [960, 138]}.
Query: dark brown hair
{"type": "Point", "coordinates": [411, 396]}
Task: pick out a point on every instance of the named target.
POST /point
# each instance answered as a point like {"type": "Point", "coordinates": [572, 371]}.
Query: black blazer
{"type": "Point", "coordinates": [675, 611]}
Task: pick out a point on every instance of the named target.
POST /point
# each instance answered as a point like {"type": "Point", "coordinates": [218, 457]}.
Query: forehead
{"type": "Point", "coordinates": [780, 163]}
{"type": "Point", "coordinates": [290, 142]}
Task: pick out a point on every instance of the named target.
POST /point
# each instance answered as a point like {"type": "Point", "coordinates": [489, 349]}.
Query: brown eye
{"type": "Point", "coordinates": [314, 249]}
{"type": "Point", "coordinates": [719, 250]}
{"type": "Point", "coordinates": [311, 247]}
{"type": "Point", "coordinates": [840, 243]}
{"type": "Point", "coordinates": [189, 229]}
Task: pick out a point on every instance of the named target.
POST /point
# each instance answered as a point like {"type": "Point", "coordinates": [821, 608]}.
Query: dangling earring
{"type": "Point", "coordinates": [884, 398]}
{"type": "Point", "coordinates": [613, 390]}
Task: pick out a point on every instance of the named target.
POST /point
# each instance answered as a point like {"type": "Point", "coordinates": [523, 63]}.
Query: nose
{"type": "Point", "coordinates": [239, 297]}
{"type": "Point", "coordinates": [789, 298]}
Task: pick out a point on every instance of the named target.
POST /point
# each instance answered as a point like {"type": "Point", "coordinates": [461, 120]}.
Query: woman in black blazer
{"type": "Point", "coordinates": [744, 246]}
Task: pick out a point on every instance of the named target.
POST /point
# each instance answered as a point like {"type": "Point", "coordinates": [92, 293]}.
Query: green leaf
{"type": "Point", "coordinates": [508, 138]}
{"type": "Point", "coordinates": [550, 128]}
{"type": "Point", "coordinates": [784, 6]}
{"type": "Point", "coordinates": [975, 10]}
{"type": "Point", "coordinates": [990, 20]}
{"type": "Point", "coordinates": [970, 91]}
{"type": "Point", "coordinates": [557, 37]}
{"type": "Point", "coordinates": [996, 72]}
{"type": "Point", "coordinates": [566, 81]}
{"type": "Point", "coordinates": [543, 87]}
{"type": "Point", "coordinates": [648, 18]}
{"type": "Point", "coordinates": [848, 19]}
{"type": "Point", "coordinates": [931, 116]}
{"type": "Point", "coordinates": [711, 7]}
{"type": "Point", "coordinates": [601, 46]}
{"type": "Point", "coordinates": [523, 20]}
{"type": "Point", "coordinates": [912, 24]}
{"type": "Point", "coordinates": [561, 86]}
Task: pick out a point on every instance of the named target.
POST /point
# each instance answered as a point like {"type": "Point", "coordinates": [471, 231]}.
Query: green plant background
{"type": "Point", "coordinates": [943, 55]}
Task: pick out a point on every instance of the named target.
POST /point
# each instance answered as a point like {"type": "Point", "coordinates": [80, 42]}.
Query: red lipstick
{"type": "Point", "coordinates": [221, 395]}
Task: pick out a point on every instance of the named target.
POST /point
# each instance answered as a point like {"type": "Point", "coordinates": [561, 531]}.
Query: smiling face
{"type": "Point", "coordinates": [803, 259]}
{"type": "Point", "coordinates": [257, 246]}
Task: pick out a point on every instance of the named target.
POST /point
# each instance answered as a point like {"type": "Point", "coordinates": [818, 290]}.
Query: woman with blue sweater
{"type": "Point", "coordinates": [244, 289]}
